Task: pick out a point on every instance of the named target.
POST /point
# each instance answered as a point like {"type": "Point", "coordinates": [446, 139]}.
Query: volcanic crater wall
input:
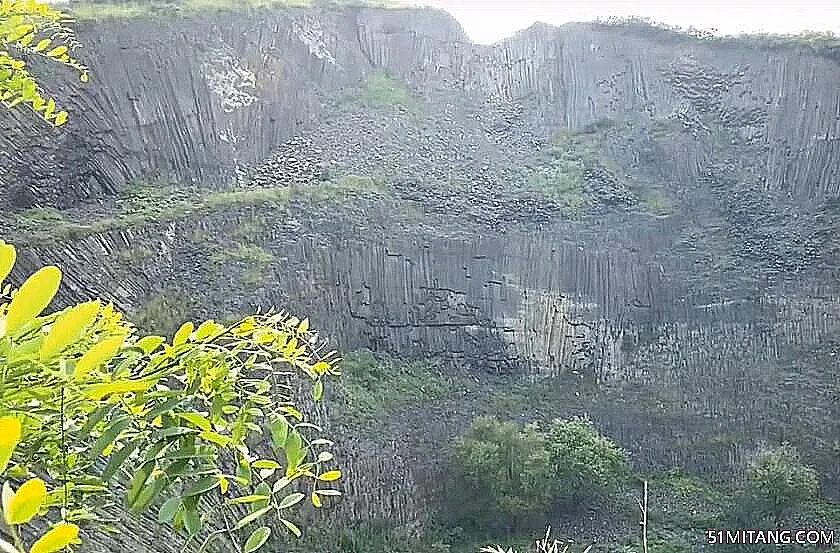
{"type": "Point", "coordinates": [709, 328]}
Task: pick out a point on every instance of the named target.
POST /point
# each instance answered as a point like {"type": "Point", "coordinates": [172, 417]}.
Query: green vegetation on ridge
{"type": "Point", "coordinates": [147, 204]}
{"type": "Point", "coordinates": [170, 8]}
{"type": "Point", "coordinates": [821, 43]}
{"type": "Point", "coordinates": [381, 90]}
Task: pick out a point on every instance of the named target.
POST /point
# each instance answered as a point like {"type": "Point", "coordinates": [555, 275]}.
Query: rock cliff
{"type": "Point", "coordinates": [612, 204]}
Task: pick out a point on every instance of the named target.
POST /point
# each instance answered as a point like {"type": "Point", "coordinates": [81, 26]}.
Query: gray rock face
{"type": "Point", "coordinates": [710, 326]}
{"type": "Point", "coordinates": [191, 102]}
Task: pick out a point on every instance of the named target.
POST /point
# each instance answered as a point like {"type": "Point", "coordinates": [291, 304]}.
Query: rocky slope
{"type": "Point", "coordinates": [617, 205]}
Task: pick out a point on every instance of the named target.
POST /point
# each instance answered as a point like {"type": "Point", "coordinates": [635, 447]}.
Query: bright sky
{"type": "Point", "coordinates": [487, 21]}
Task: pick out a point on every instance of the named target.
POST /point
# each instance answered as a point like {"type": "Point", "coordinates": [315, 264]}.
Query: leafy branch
{"type": "Point", "coordinates": [86, 402]}
{"type": "Point", "coordinates": [33, 28]}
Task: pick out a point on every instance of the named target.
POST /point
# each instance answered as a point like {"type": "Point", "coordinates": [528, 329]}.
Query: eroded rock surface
{"type": "Point", "coordinates": [698, 285]}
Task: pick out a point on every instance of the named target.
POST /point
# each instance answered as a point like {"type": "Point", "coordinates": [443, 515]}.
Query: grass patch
{"type": "Point", "coordinates": [32, 219]}
{"type": "Point", "coordinates": [383, 91]}
{"type": "Point", "coordinates": [820, 43]}
{"type": "Point", "coordinates": [372, 387]}
{"type": "Point", "coordinates": [136, 253]}
{"type": "Point", "coordinates": [243, 253]}
{"type": "Point", "coordinates": [562, 183]}
{"type": "Point", "coordinates": [146, 204]}
{"type": "Point", "coordinates": [253, 277]}
{"type": "Point", "coordinates": [43, 215]}
{"type": "Point", "coordinates": [345, 186]}
{"type": "Point", "coordinates": [129, 10]}
{"type": "Point", "coordinates": [249, 229]}
{"type": "Point", "coordinates": [256, 260]}
{"type": "Point", "coordinates": [562, 178]}
{"type": "Point", "coordinates": [100, 12]}
{"type": "Point", "coordinates": [655, 201]}
{"type": "Point", "coordinates": [162, 313]}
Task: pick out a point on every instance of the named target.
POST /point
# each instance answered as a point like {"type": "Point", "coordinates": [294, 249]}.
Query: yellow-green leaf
{"type": "Point", "coordinates": [249, 518]}
{"type": "Point", "coordinates": [20, 31]}
{"type": "Point", "coordinates": [150, 343]}
{"type": "Point", "coordinates": [303, 327]}
{"type": "Point", "coordinates": [207, 329]}
{"type": "Point", "coordinates": [42, 45]}
{"type": "Point", "coordinates": [7, 260]}
{"type": "Point", "coordinates": [197, 420]}
{"type": "Point", "coordinates": [99, 391]}
{"type": "Point", "coordinates": [57, 51]}
{"type": "Point", "coordinates": [291, 526]}
{"type": "Point", "coordinates": [257, 539]}
{"type": "Point", "coordinates": [50, 108]}
{"type": "Point", "coordinates": [56, 539]}
{"type": "Point", "coordinates": [84, 77]}
{"type": "Point", "coordinates": [247, 499]}
{"type": "Point", "coordinates": [216, 438]}
{"type": "Point", "coordinates": [68, 329]}
{"type": "Point", "coordinates": [33, 297]}
{"type": "Point", "coordinates": [290, 500]}
{"type": "Point", "coordinates": [330, 476]}
{"type": "Point", "coordinates": [60, 118]}
{"type": "Point", "coordinates": [290, 348]}
{"type": "Point", "coordinates": [321, 367]}
{"type": "Point", "coordinates": [100, 353]}
{"type": "Point", "coordinates": [26, 502]}
{"type": "Point", "coordinates": [183, 333]}
{"type": "Point", "coordinates": [316, 501]}
{"type": "Point", "coordinates": [10, 433]}
{"type": "Point", "coordinates": [27, 39]}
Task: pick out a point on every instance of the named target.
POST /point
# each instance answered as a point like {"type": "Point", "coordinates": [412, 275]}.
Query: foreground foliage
{"type": "Point", "coordinates": [546, 544]}
{"type": "Point", "coordinates": [85, 402]}
{"type": "Point", "coordinates": [32, 28]}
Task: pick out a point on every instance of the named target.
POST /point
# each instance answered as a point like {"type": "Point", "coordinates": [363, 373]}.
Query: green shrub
{"type": "Point", "coordinates": [562, 182]}
{"type": "Point", "coordinates": [505, 472]}
{"type": "Point", "coordinates": [778, 484]}
{"type": "Point", "coordinates": [510, 477]}
{"type": "Point", "coordinates": [586, 466]}
{"type": "Point", "coordinates": [164, 312]}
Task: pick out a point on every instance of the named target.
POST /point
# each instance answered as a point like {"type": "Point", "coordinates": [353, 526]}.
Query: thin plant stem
{"type": "Point", "coordinates": [643, 506]}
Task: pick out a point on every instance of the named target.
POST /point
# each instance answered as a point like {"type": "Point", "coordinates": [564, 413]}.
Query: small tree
{"type": "Point", "coordinates": [504, 473]}
{"type": "Point", "coordinates": [586, 465]}
{"type": "Point", "coordinates": [779, 483]}
{"type": "Point", "coordinates": [514, 476]}
{"type": "Point", "coordinates": [84, 402]}
{"type": "Point", "coordinates": [33, 28]}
